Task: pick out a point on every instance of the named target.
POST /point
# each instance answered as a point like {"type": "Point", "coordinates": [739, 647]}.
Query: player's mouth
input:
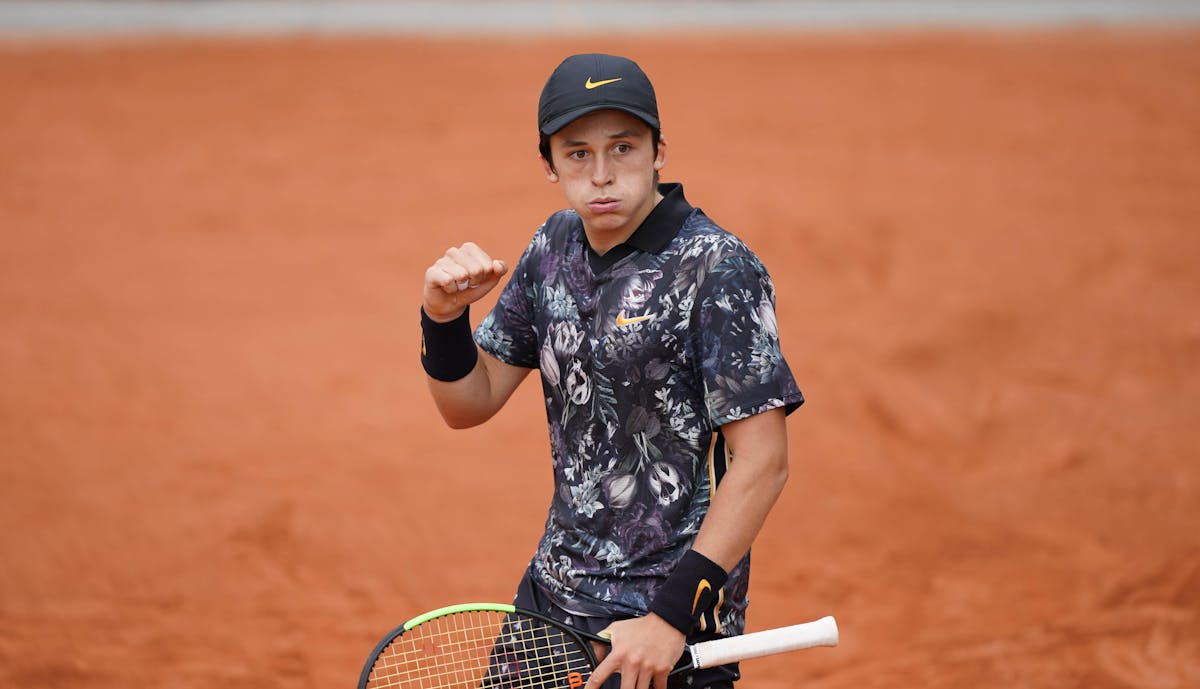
{"type": "Point", "coordinates": [604, 205]}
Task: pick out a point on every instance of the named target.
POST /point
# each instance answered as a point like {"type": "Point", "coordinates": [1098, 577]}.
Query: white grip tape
{"type": "Point", "coordinates": [822, 632]}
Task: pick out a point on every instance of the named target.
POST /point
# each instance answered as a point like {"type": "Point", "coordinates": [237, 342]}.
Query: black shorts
{"type": "Point", "coordinates": [531, 597]}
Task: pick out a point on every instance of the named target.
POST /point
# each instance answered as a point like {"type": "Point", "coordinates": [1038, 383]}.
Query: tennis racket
{"type": "Point", "coordinates": [494, 646]}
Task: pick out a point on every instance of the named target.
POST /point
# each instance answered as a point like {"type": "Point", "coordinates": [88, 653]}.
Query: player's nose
{"type": "Point", "coordinates": [602, 171]}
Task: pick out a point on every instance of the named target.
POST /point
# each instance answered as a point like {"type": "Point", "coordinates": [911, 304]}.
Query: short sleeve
{"type": "Point", "coordinates": [736, 339]}
{"type": "Point", "coordinates": [508, 332]}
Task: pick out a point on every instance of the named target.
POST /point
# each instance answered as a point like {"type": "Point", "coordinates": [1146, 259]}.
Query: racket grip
{"type": "Point", "coordinates": [822, 632]}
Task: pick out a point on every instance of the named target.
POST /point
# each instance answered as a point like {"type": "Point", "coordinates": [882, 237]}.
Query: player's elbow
{"type": "Point", "coordinates": [459, 413]}
{"type": "Point", "coordinates": [773, 470]}
{"type": "Point", "coordinates": [458, 419]}
{"type": "Point", "coordinates": [458, 424]}
{"type": "Point", "coordinates": [776, 473]}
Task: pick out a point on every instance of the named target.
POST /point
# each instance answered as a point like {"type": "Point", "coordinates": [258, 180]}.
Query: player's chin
{"type": "Point", "coordinates": [607, 222]}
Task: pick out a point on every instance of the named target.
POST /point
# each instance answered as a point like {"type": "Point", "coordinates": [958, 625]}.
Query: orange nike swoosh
{"type": "Point", "coordinates": [593, 84]}
{"type": "Point", "coordinates": [624, 320]}
{"type": "Point", "coordinates": [700, 589]}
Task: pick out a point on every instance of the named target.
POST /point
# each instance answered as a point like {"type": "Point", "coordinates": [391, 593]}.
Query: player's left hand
{"type": "Point", "coordinates": [644, 651]}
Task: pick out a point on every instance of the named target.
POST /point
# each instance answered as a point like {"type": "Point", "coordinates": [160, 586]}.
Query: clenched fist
{"type": "Point", "coordinates": [461, 276]}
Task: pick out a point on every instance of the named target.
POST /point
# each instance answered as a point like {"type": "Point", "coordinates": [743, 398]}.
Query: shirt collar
{"type": "Point", "coordinates": [664, 222]}
{"type": "Point", "coordinates": [654, 234]}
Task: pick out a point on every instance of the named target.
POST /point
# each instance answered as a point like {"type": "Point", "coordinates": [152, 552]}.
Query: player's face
{"type": "Point", "coordinates": [606, 162]}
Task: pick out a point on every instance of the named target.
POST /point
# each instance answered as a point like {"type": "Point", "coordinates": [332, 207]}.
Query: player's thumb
{"type": "Point", "coordinates": [499, 267]}
{"type": "Point", "coordinates": [600, 649]}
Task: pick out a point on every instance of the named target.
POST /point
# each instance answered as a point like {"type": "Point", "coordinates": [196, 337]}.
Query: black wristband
{"type": "Point", "coordinates": [447, 349]}
{"type": "Point", "coordinates": [689, 592]}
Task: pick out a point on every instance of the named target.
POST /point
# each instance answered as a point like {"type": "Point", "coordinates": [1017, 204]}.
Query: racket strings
{"type": "Point", "coordinates": [481, 650]}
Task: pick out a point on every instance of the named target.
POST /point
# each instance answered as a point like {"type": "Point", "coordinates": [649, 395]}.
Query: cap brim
{"type": "Point", "coordinates": [552, 127]}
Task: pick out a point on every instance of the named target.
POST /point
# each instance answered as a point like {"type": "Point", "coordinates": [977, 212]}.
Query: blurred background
{"type": "Point", "coordinates": [219, 465]}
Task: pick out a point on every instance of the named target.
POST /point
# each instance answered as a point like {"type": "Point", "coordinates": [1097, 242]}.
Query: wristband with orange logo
{"type": "Point", "coordinates": [689, 592]}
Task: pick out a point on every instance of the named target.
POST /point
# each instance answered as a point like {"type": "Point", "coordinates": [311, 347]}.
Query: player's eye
{"type": "Point", "coordinates": [622, 148]}
{"type": "Point", "coordinates": [577, 155]}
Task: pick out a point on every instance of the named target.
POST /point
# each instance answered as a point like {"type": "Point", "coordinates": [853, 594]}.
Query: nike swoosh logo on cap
{"type": "Point", "coordinates": [593, 84]}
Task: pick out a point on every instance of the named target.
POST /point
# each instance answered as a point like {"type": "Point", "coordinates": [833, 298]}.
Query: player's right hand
{"type": "Point", "coordinates": [463, 275]}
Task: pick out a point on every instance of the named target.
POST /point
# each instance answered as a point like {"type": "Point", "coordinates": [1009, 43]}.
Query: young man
{"type": "Point", "coordinates": [654, 332]}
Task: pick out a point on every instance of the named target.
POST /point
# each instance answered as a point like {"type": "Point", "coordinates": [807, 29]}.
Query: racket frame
{"type": "Point", "coordinates": [578, 635]}
{"type": "Point", "coordinates": [822, 632]}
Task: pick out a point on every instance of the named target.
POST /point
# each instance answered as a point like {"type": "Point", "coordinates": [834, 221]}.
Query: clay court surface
{"type": "Point", "coordinates": [220, 467]}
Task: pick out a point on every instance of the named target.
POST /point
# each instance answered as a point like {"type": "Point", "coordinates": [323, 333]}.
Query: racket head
{"type": "Point", "coordinates": [479, 646]}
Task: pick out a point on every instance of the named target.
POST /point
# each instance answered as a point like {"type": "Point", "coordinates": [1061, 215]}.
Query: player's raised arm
{"type": "Point", "coordinates": [467, 384]}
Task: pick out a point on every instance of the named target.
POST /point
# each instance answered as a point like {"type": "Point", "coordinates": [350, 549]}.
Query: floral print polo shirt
{"type": "Point", "coordinates": [644, 354]}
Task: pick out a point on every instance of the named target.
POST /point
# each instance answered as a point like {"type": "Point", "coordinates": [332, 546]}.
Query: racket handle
{"type": "Point", "coordinates": [822, 632]}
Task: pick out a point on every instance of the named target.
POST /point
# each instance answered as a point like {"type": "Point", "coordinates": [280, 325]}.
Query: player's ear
{"type": "Point", "coordinates": [551, 175]}
{"type": "Point", "coordinates": [660, 158]}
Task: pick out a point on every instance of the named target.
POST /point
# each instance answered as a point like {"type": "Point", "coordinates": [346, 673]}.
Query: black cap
{"type": "Point", "coordinates": [586, 83]}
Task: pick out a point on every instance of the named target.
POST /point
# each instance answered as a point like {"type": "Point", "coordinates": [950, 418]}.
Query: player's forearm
{"type": "Point", "coordinates": [738, 512]}
{"type": "Point", "coordinates": [471, 400]}
{"type": "Point", "coordinates": [467, 385]}
{"type": "Point", "coordinates": [750, 488]}
{"type": "Point", "coordinates": [745, 496]}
